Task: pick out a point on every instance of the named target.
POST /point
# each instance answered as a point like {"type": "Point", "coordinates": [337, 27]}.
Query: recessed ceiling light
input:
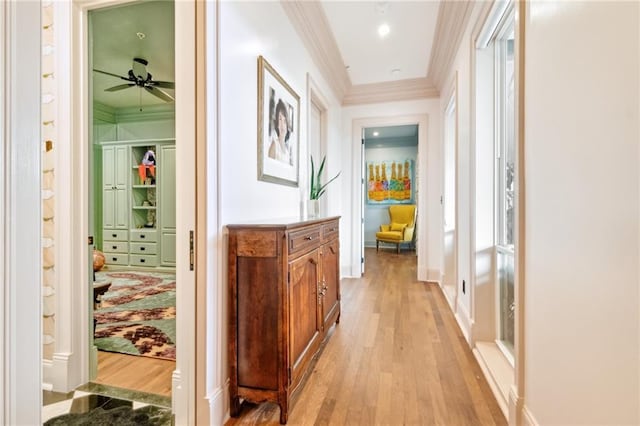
{"type": "Point", "coordinates": [141, 35]}
{"type": "Point", "coordinates": [375, 133]}
{"type": "Point", "coordinates": [383, 30]}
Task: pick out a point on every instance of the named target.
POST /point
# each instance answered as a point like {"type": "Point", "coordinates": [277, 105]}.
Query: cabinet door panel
{"type": "Point", "coordinates": [167, 187]}
{"type": "Point", "coordinates": [168, 249]}
{"type": "Point", "coordinates": [121, 210]}
{"type": "Point", "coordinates": [257, 322]}
{"type": "Point", "coordinates": [108, 208]}
{"type": "Point", "coordinates": [108, 172]}
{"type": "Point", "coordinates": [304, 318]}
{"type": "Point", "coordinates": [121, 167]}
{"type": "Point", "coordinates": [330, 280]}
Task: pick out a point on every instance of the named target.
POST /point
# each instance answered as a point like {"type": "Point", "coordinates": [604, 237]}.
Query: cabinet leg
{"type": "Point", "coordinates": [234, 409]}
{"type": "Point", "coordinates": [284, 412]}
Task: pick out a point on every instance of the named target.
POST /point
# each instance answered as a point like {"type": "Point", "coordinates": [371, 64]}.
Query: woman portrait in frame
{"type": "Point", "coordinates": [278, 127]}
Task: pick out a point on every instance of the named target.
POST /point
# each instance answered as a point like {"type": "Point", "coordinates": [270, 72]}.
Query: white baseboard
{"type": "Point", "coordinates": [434, 275]}
{"type": "Point", "coordinates": [176, 393]}
{"type": "Point", "coordinates": [227, 415]}
{"type": "Point", "coordinates": [422, 273]}
{"type": "Point", "coordinates": [57, 374]}
{"type": "Point", "coordinates": [218, 413]}
{"type": "Point", "coordinates": [47, 373]}
{"type": "Point", "coordinates": [527, 417]}
{"type": "Point", "coordinates": [515, 407]}
{"type": "Point", "coordinates": [464, 321]}
{"type": "Point", "coordinates": [349, 272]}
{"type": "Point", "coordinates": [497, 372]}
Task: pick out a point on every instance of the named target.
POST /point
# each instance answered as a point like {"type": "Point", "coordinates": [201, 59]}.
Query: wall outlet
{"type": "Point", "coordinates": [464, 287]}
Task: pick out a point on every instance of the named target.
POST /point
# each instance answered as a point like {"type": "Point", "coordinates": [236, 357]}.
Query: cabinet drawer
{"type": "Point", "coordinates": [143, 248]}
{"type": "Point", "coordinates": [330, 230]}
{"type": "Point", "coordinates": [304, 239]}
{"type": "Point", "coordinates": [115, 234]}
{"type": "Point", "coordinates": [143, 235]}
{"type": "Point", "coordinates": [116, 246]}
{"type": "Point", "coordinates": [116, 259]}
{"type": "Point", "coordinates": [143, 260]}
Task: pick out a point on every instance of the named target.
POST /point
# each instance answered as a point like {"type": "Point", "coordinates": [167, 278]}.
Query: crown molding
{"type": "Point", "coordinates": [452, 21]}
{"type": "Point", "coordinates": [389, 91]}
{"type": "Point", "coordinates": [103, 112]}
{"type": "Point", "coordinates": [311, 24]}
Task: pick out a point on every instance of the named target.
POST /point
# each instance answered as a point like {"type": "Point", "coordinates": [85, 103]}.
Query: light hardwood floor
{"type": "Point", "coordinates": [139, 373]}
{"type": "Point", "coordinates": [397, 357]}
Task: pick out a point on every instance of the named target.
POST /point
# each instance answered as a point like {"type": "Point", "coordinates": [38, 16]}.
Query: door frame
{"type": "Point", "coordinates": [74, 186]}
{"type": "Point", "coordinates": [451, 100]}
{"type": "Point", "coordinates": [20, 214]}
{"type": "Point", "coordinates": [358, 202]}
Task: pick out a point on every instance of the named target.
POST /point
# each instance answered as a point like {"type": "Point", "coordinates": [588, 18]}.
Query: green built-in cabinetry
{"type": "Point", "coordinates": [139, 203]}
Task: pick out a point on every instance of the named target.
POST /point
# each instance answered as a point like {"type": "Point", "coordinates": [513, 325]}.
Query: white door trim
{"type": "Point", "coordinates": [184, 382]}
{"type": "Point", "coordinates": [20, 213]}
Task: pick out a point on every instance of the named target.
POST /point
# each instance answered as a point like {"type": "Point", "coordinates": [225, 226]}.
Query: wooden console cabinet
{"type": "Point", "coordinates": [284, 294]}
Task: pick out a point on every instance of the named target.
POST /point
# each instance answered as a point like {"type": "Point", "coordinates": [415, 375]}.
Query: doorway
{"type": "Point", "coordinates": [70, 367]}
{"type": "Point", "coordinates": [449, 213]}
{"type": "Point", "coordinates": [132, 201]}
{"type": "Point", "coordinates": [390, 158]}
{"type": "Point", "coordinates": [360, 189]}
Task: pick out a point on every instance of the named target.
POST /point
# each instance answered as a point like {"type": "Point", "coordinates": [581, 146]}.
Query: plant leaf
{"type": "Point", "coordinates": [317, 188]}
{"type": "Point", "coordinates": [311, 193]}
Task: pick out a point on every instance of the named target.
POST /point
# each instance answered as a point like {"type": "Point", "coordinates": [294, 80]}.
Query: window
{"type": "Point", "coordinates": [505, 148]}
{"type": "Point", "coordinates": [495, 158]}
{"type": "Point", "coordinates": [505, 132]}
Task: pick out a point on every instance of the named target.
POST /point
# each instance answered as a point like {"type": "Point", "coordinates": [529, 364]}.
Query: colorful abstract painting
{"type": "Point", "coordinates": [390, 182]}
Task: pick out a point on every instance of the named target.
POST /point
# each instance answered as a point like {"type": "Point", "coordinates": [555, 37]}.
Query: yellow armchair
{"type": "Point", "coordinates": [401, 228]}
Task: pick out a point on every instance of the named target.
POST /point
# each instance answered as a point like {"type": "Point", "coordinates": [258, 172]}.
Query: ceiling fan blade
{"type": "Point", "coordinates": [119, 87]}
{"type": "Point", "coordinates": [111, 74]}
{"type": "Point", "coordinates": [163, 84]}
{"type": "Point", "coordinates": [159, 93]}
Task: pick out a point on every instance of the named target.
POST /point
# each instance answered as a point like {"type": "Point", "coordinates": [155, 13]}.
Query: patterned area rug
{"type": "Point", "coordinates": [137, 315]}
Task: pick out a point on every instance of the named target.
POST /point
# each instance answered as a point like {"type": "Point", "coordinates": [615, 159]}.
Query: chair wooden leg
{"type": "Point", "coordinates": [377, 244]}
{"type": "Point", "coordinates": [398, 248]}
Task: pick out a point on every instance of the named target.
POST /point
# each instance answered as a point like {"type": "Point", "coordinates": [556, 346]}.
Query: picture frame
{"type": "Point", "coordinates": [278, 128]}
{"type": "Point", "coordinates": [390, 182]}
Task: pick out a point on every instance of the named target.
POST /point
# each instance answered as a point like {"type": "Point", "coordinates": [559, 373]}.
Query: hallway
{"type": "Point", "coordinates": [396, 357]}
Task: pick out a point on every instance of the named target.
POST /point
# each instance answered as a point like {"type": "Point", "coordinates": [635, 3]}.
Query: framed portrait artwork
{"type": "Point", "coordinates": [278, 128]}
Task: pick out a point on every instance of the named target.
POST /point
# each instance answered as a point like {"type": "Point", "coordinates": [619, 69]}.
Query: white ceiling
{"type": "Point", "coordinates": [354, 25]}
{"type": "Point", "coordinates": [115, 44]}
{"type": "Point", "coordinates": [371, 59]}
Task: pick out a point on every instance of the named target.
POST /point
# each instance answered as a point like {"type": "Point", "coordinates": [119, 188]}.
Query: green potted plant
{"type": "Point", "coordinates": [317, 188]}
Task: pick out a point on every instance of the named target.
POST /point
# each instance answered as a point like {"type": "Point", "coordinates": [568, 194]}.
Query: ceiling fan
{"type": "Point", "coordinates": [140, 77]}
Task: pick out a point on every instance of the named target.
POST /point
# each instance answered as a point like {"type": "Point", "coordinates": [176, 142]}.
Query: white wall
{"type": "Point", "coordinates": [247, 30]}
{"type": "Point", "coordinates": [430, 234]}
{"type": "Point", "coordinates": [582, 212]}
{"type": "Point", "coordinates": [376, 215]}
{"type": "Point", "coordinates": [461, 86]}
